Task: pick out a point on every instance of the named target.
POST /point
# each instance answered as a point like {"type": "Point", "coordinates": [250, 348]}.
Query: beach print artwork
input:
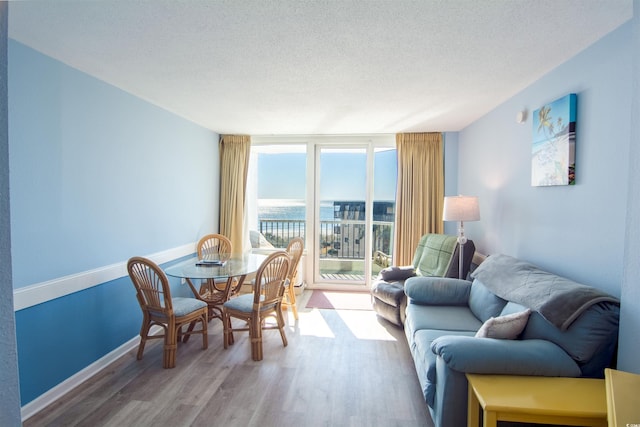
{"type": "Point", "coordinates": [554, 143]}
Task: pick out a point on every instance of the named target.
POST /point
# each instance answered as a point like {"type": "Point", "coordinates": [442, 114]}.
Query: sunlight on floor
{"type": "Point", "coordinates": [362, 324]}
{"type": "Point", "coordinates": [312, 323]}
{"type": "Point", "coordinates": [348, 300]}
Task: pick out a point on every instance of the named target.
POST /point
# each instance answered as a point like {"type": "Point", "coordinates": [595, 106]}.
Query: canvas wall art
{"type": "Point", "coordinates": [553, 154]}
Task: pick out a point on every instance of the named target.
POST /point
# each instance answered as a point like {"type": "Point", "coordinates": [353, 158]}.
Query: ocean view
{"type": "Point", "coordinates": [288, 209]}
{"type": "Point", "coordinates": [341, 229]}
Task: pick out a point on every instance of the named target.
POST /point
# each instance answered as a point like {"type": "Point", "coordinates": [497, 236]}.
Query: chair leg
{"type": "Point", "coordinates": [230, 337]}
{"type": "Point", "coordinates": [280, 320]}
{"type": "Point", "coordinates": [189, 331]}
{"type": "Point", "coordinates": [255, 336]}
{"type": "Point", "coordinates": [170, 346]}
{"type": "Point", "coordinates": [226, 324]}
{"type": "Point", "coordinates": [292, 301]}
{"type": "Point", "coordinates": [205, 332]}
{"type": "Point", "coordinates": [144, 333]}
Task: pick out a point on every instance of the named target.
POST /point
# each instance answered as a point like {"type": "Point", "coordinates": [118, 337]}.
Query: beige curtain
{"type": "Point", "coordinates": [420, 192]}
{"type": "Point", "coordinates": [234, 165]}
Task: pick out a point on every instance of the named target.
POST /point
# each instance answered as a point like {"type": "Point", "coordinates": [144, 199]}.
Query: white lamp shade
{"type": "Point", "coordinates": [461, 208]}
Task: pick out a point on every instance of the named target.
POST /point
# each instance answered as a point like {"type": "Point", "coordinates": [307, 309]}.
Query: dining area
{"type": "Point", "coordinates": [217, 278]}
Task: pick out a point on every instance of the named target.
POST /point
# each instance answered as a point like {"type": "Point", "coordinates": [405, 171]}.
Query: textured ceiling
{"type": "Point", "coordinates": [318, 67]}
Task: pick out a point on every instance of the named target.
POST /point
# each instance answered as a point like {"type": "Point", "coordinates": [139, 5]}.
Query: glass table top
{"type": "Point", "coordinates": [235, 265]}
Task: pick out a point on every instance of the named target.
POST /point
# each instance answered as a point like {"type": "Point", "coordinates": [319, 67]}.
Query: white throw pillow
{"type": "Point", "coordinates": [504, 327]}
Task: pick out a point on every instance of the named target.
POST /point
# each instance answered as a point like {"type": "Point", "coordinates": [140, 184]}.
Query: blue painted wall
{"type": "Point", "coordinates": [97, 176]}
{"type": "Point", "coordinates": [629, 348]}
{"type": "Point", "coordinates": [577, 231]}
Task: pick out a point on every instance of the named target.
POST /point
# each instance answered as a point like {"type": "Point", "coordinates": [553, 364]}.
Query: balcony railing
{"type": "Point", "coordinates": [340, 239]}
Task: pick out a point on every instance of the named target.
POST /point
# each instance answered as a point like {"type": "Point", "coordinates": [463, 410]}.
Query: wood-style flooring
{"type": "Point", "coordinates": [341, 368]}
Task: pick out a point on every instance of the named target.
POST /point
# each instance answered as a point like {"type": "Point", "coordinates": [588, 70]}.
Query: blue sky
{"type": "Point", "coordinates": [282, 176]}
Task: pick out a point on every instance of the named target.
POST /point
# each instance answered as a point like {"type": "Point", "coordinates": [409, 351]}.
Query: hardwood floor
{"type": "Point", "coordinates": [341, 368]}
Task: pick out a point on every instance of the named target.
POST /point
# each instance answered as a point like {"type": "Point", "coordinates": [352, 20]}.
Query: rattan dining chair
{"type": "Point", "coordinates": [158, 308]}
{"type": "Point", "coordinates": [294, 249]}
{"type": "Point", "coordinates": [212, 291]}
{"type": "Point", "coordinates": [264, 302]}
{"type": "Point", "coordinates": [214, 245]}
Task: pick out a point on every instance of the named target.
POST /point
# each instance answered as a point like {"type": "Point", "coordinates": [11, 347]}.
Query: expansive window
{"type": "Point", "coordinates": [338, 193]}
{"type": "Point", "coordinates": [277, 194]}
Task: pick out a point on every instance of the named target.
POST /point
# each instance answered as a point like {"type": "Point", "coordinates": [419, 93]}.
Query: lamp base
{"type": "Point", "coordinates": [462, 239]}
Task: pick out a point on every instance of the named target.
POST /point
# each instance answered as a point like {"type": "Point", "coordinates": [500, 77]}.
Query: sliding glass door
{"type": "Point", "coordinates": [337, 192]}
{"type": "Point", "coordinates": [353, 221]}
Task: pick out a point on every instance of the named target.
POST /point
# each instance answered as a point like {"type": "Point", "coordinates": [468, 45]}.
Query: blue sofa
{"type": "Point", "coordinates": [515, 319]}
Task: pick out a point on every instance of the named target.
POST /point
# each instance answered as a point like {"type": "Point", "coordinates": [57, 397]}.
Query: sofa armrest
{"type": "Point", "coordinates": [437, 290]}
{"type": "Point", "coordinates": [509, 357]}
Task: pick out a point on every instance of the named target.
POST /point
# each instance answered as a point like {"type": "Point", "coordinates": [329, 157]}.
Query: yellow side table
{"type": "Point", "coordinates": [540, 400]}
{"type": "Point", "coordinates": [623, 399]}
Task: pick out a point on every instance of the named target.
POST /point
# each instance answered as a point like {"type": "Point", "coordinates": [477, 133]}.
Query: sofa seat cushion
{"type": "Point", "coordinates": [452, 318]}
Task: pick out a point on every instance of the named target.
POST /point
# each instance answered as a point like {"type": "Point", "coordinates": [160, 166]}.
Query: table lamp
{"type": "Point", "coordinates": [461, 208]}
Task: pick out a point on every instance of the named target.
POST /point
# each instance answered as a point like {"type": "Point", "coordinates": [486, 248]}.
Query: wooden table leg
{"type": "Point", "coordinates": [473, 412]}
{"type": "Point", "coordinates": [490, 419]}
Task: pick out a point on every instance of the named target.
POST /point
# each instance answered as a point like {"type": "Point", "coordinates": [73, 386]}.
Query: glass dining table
{"type": "Point", "coordinates": [220, 278]}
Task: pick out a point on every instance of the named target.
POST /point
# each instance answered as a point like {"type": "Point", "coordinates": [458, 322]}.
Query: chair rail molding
{"type": "Point", "coordinates": [39, 293]}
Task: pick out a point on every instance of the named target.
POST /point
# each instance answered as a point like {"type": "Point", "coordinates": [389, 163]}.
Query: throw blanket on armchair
{"type": "Point", "coordinates": [557, 299]}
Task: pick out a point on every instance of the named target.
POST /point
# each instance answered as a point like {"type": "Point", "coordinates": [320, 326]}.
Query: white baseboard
{"type": "Point", "coordinates": [45, 399]}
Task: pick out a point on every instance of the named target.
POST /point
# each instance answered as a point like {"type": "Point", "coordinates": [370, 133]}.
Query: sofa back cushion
{"type": "Point", "coordinates": [592, 335]}
{"type": "Point", "coordinates": [483, 303]}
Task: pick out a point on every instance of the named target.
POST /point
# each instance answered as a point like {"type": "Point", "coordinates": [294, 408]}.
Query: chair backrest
{"type": "Point", "coordinates": [268, 287]}
{"type": "Point", "coordinates": [152, 286]}
{"type": "Point", "coordinates": [438, 254]}
{"type": "Point", "coordinates": [294, 249]}
{"type": "Point", "coordinates": [214, 245]}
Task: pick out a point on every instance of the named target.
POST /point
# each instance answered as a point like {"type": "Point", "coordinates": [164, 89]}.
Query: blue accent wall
{"type": "Point", "coordinates": [59, 338]}
{"type": "Point", "coordinates": [577, 231]}
{"type": "Point", "coordinates": [97, 176]}
{"type": "Point", "coordinates": [629, 338]}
